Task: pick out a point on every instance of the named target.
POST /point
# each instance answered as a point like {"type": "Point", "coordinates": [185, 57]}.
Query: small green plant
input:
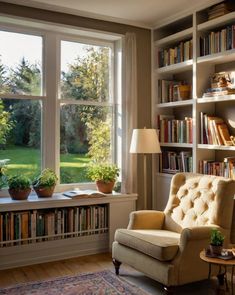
{"type": "Point", "coordinates": [19, 182]}
{"type": "Point", "coordinates": [47, 178]}
{"type": "Point", "coordinates": [104, 172]}
{"type": "Point", "coordinates": [217, 238]}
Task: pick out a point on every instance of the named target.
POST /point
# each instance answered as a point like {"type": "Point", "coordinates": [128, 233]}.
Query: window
{"type": "Point", "coordinates": [87, 108]}
{"type": "Point", "coordinates": [20, 118]}
{"type": "Point", "coordinates": [57, 106]}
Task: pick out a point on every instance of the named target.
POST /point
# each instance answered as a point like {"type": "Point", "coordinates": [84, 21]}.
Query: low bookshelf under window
{"type": "Point", "coordinates": [46, 229]}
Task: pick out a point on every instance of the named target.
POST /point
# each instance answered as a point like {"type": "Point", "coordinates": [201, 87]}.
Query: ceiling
{"type": "Point", "coordinates": [145, 13]}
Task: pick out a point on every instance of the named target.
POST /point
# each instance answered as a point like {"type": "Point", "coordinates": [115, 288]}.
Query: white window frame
{"type": "Point", "coordinates": [50, 132]}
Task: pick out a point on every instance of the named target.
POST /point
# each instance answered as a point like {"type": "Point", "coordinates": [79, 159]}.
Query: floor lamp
{"type": "Point", "coordinates": [145, 141]}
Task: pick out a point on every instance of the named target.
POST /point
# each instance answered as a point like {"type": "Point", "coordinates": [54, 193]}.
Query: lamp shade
{"type": "Point", "coordinates": [144, 141]}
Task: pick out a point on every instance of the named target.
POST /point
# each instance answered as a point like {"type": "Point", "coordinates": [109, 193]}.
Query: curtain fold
{"type": "Point", "coordinates": [129, 161]}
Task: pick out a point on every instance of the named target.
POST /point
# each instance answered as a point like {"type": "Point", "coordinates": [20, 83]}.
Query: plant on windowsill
{"type": "Point", "coordinates": [19, 187]}
{"type": "Point", "coordinates": [104, 175]}
{"type": "Point", "coordinates": [216, 242]}
{"type": "Point", "coordinates": [44, 184]}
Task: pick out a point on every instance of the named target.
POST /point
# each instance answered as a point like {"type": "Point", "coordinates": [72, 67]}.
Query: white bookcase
{"type": "Point", "coordinates": [43, 249]}
{"type": "Point", "coordinates": [197, 72]}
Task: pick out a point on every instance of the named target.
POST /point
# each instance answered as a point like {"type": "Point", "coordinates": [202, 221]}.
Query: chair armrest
{"type": "Point", "coordinates": [196, 233]}
{"type": "Point", "coordinates": [146, 219]}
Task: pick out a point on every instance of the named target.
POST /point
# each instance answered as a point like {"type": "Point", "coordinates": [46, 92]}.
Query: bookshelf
{"type": "Point", "coordinates": [196, 71]}
{"type": "Point", "coordinates": [46, 229]}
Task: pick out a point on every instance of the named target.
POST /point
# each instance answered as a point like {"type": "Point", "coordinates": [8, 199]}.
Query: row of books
{"type": "Point", "coordinates": [169, 90]}
{"type": "Point", "coordinates": [179, 53]}
{"type": "Point", "coordinates": [50, 224]}
{"type": "Point", "coordinates": [173, 162]}
{"type": "Point", "coordinates": [218, 41]}
{"type": "Point", "coordinates": [214, 130]}
{"type": "Point", "coordinates": [175, 131]}
{"type": "Point", "coordinates": [225, 168]}
{"type": "Point", "coordinates": [220, 91]}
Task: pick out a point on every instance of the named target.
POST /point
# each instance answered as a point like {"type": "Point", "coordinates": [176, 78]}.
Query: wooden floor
{"type": "Point", "coordinates": [93, 263]}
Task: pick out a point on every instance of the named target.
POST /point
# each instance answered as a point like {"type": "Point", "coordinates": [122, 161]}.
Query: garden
{"type": "Point", "coordinates": [85, 130]}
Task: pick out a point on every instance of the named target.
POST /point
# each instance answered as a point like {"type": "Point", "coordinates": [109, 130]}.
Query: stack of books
{"type": "Point", "coordinates": [220, 9]}
{"type": "Point", "coordinates": [222, 83]}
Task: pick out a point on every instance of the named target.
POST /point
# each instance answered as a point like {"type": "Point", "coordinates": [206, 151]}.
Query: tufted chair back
{"type": "Point", "coordinates": [198, 200]}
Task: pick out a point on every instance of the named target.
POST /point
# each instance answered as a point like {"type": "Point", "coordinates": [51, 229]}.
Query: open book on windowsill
{"type": "Point", "coordinates": [77, 194]}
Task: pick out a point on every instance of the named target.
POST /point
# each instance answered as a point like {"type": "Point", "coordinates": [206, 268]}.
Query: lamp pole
{"type": "Point", "coordinates": [145, 181]}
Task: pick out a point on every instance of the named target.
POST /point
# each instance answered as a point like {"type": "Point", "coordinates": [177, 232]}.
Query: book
{"type": "Point", "coordinates": [224, 133]}
{"type": "Point", "coordinates": [77, 194]}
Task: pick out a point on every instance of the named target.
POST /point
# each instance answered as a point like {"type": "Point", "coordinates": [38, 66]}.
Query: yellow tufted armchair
{"type": "Point", "coordinates": [166, 245]}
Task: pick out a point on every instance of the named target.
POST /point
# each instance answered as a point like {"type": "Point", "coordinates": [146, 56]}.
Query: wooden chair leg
{"type": "Point", "coordinates": [116, 264]}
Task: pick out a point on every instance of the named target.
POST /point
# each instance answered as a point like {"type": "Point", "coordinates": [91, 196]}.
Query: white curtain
{"type": "Point", "coordinates": [129, 161]}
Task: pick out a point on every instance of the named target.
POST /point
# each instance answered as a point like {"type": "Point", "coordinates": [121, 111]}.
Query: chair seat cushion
{"type": "Point", "coordinates": [160, 244]}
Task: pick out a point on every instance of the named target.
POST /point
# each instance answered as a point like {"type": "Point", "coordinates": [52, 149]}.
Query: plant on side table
{"type": "Point", "coordinates": [19, 187]}
{"type": "Point", "coordinates": [104, 175]}
{"type": "Point", "coordinates": [44, 184]}
{"type": "Point", "coordinates": [216, 242]}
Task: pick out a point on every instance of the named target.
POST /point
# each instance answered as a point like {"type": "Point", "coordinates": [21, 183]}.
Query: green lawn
{"type": "Point", "coordinates": [24, 160]}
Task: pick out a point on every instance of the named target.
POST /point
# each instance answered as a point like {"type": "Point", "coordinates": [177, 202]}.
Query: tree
{"type": "Point", "coordinates": [3, 79]}
{"type": "Point", "coordinates": [99, 136]}
{"type": "Point", "coordinates": [86, 79]}
{"type": "Point", "coordinates": [26, 78]}
{"type": "Point", "coordinates": [26, 114]}
{"type": "Point", "coordinates": [6, 124]}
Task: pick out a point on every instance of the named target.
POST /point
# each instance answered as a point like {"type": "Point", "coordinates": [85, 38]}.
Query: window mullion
{"type": "Point", "coordinates": [50, 142]}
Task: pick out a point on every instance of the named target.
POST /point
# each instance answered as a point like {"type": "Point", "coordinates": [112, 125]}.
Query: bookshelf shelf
{"type": "Point", "coordinates": [182, 35]}
{"type": "Point", "coordinates": [179, 145]}
{"type": "Point", "coordinates": [160, 174]}
{"type": "Point", "coordinates": [176, 68]}
{"type": "Point", "coordinates": [207, 36]}
{"type": "Point", "coordinates": [217, 22]}
{"type": "Point", "coordinates": [216, 147]}
{"type": "Point", "coordinates": [218, 58]}
{"type": "Point", "coordinates": [214, 99]}
{"type": "Point", "coordinates": [175, 104]}
{"type": "Point", "coordinates": [40, 230]}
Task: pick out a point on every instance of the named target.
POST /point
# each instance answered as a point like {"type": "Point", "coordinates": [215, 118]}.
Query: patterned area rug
{"type": "Point", "coordinates": [100, 283]}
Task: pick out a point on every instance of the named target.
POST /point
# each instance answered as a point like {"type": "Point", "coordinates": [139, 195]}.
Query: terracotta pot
{"type": "Point", "coordinates": [44, 192]}
{"type": "Point", "coordinates": [105, 187]}
{"type": "Point", "coordinates": [19, 194]}
{"type": "Point", "coordinates": [215, 250]}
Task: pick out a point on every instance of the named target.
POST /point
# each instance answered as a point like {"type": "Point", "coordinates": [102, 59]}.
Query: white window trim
{"type": "Point", "coordinates": [52, 36]}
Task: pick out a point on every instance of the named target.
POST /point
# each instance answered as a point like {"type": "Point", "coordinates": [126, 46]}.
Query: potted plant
{"type": "Point", "coordinates": [44, 184]}
{"type": "Point", "coordinates": [216, 242]}
{"type": "Point", "coordinates": [104, 175]}
{"type": "Point", "coordinates": [19, 187]}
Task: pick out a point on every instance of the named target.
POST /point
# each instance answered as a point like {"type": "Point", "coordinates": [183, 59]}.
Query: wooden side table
{"type": "Point", "coordinates": [221, 263]}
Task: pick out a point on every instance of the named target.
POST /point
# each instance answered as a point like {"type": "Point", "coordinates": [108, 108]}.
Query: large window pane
{"type": "Point", "coordinates": [85, 137]}
{"type": "Point", "coordinates": [20, 63]}
{"type": "Point", "coordinates": [20, 136]}
{"type": "Point", "coordinates": [85, 72]}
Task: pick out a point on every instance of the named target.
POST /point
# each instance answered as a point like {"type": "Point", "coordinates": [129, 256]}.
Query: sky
{"type": "Point", "coordinates": [14, 46]}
